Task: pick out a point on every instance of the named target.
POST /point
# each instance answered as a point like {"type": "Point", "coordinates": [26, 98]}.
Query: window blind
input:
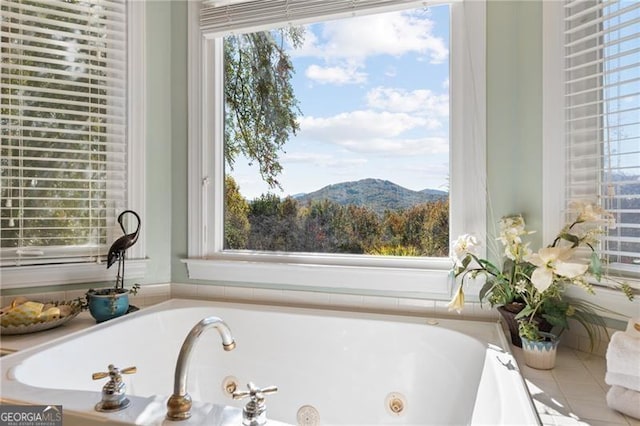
{"type": "Point", "coordinates": [223, 18]}
{"type": "Point", "coordinates": [63, 137]}
{"type": "Point", "coordinates": [602, 116]}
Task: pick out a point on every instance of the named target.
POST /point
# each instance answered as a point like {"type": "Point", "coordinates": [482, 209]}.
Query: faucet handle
{"type": "Point", "coordinates": [114, 372]}
{"type": "Point", "coordinates": [113, 392]}
{"type": "Point", "coordinates": [254, 393]}
{"type": "Point", "coordinates": [255, 412]}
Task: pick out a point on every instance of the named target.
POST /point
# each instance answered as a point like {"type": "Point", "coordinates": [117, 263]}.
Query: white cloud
{"type": "Point", "coordinates": [384, 34]}
{"type": "Point", "coordinates": [338, 75]}
{"type": "Point", "coordinates": [374, 132]}
{"type": "Point", "coordinates": [358, 124]}
{"type": "Point", "coordinates": [399, 100]}
{"type": "Point", "coordinates": [398, 147]}
{"type": "Point", "coordinates": [324, 160]}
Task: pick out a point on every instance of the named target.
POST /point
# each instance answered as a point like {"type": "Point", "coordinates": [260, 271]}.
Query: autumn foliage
{"type": "Point", "coordinates": [271, 223]}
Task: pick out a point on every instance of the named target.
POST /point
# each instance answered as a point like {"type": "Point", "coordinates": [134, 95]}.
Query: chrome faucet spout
{"type": "Point", "coordinates": [179, 404]}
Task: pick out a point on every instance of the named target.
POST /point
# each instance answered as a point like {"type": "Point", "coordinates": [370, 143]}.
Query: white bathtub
{"type": "Point", "coordinates": [346, 366]}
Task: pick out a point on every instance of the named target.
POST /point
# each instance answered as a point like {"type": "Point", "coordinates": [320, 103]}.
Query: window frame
{"type": "Point", "coordinates": [425, 276]}
{"type": "Point", "coordinates": [26, 276]}
{"type": "Point", "coordinates": [554, 158]}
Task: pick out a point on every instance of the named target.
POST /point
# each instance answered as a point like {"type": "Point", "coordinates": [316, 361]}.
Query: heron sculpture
{"type": "Point", "coordinates": [118, 249]}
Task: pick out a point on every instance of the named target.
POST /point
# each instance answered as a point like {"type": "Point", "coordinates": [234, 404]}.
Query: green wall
{"type": "Point", "coordinates": [160, 140]}
{"type": "Point", "coordinates": [179, 93]}
{"type": "Point", "coordinates": [515, 128]}
{"type": "Point", "coordinates": [514, 112]}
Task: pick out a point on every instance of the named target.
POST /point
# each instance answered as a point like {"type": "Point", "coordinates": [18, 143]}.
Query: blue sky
{"type": "Point", "coordinates": [374, 94]}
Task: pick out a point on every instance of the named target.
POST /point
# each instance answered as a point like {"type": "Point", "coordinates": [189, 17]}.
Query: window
{"type": "Point", "coordinates": [343, 262]}
{"type": "Point", "coordinates": [594, 62]}
{"type": "Point", "coordinates": [67, 152]}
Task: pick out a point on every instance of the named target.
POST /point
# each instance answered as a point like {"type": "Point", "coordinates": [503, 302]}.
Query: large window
{"type": "Point", "coordinates": [335, 140]}
{"type": "Point", "coordinates": [351, 153]}
{"type": "Point", "coordinates": [598, 138]}
{"type": "Point", "coordinates": [65, 139]}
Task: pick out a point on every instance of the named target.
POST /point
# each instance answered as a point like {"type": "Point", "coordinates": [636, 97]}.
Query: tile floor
{"type": "Point", "coordinates": [573, 393]}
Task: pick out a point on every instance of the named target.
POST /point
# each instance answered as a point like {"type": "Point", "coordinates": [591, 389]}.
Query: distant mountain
{"type": "Point", "coordinates": [378, 194]}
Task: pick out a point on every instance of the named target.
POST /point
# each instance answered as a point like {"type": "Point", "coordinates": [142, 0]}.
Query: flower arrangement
{"type": "Point", "coordinates": [538, 280]}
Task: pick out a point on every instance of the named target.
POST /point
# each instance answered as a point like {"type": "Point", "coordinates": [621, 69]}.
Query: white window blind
{"type": "Point", "coordinates": [63, 137]}
{"type": "Point", "coordinates": [602, 115]}
{"type": "Point", "coordinates": [222, 18]}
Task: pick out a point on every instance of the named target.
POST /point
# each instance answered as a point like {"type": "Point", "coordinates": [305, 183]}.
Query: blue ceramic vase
{"type": "Point", "coordinates": [105, 306]}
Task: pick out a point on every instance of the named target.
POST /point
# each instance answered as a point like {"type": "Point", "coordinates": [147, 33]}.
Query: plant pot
{"type": "Point", "coordinates": [509, 312]}
{"type": "Point", "coordinates": [107, 303]}
{"type": "Point", "coordinates": [540, 354]}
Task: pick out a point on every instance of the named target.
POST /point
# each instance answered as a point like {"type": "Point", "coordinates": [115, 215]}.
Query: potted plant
{"type": "Point", "coordinates": [500, 288]}
{"type": "Point", "coordinates": [107, 303]}
{"type": "Point", "coordinates": [536, 282]}
{"type": "Point", "coordinates": [112, 302]}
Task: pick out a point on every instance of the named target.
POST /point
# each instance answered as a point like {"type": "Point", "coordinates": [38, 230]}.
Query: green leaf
{"type": "Point", "coordinates": [596, 266]}
{"type": "Point", "coordinates": [490, 267]}
{"type": "Point", "coordinates": [527, 311]}
{"type": "Point", "coordinates": [486, 288]}
{"type": "Point", "coordinates": [575, 241]}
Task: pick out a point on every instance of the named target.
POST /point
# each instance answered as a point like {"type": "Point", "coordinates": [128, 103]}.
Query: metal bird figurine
{"type": "Point", "coordinates": [120, 246]}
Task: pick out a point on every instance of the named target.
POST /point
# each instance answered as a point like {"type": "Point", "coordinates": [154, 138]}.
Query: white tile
{"type": "Point", "coordinates": [566, 359]}
{"type": "Point", "coordinates": [302, 298]}
{"type": "Point", "coordinates": [48, 297]}
{"type": "Point", "coordinates": [534, 373]}
{"type": "Point", "coordinates": [569, 420]}
{"type": "Point", "coordinates": [75, 294]}
{"type": "Point", "coordinates": [442, 310]}
{"type": "Point", "coordinates": [632, 421]}
{"type": "Point", "coordinates": [137, 300]}
{"type": "Point", "coordinates": [155, 290]}
{"type": "Point", "coordinates": [154, 300]}
{"type": "Point", "coordinates": [586, 409]}
{"type": "Point", "coordinates": [546, 404]}
{"type": "Point", "coordinates": [587, 392]}
{"type": "Point", "coordinates": [547, 386]}
{"type": "Point", "coordinates": [597, 365]}
{"type": "Point", "coordinates": [484, 311]}
{"type": "Point", "coordinates": [346, 300]}
{"type": "Point", "coordinates": [576, 377]}
{"type": "Point", "coordinates": [184, 291]}
{"type": "Point", "coordinates": [377, 302]}
{"type": "Point", "coordinates": [238, 293]}
{"type": "Point", "coordinates": [267, 295]}
{"type": "Point", "coordinates": [418, 306]}
{"type": "Point", "coordinates": [210, 292]}
{"type": "Point", "coordinates": [547, 419]}
{"type": "Point", "coordinates": [599, 346]}
{"type": "Point", "coordinates": [592, 422]}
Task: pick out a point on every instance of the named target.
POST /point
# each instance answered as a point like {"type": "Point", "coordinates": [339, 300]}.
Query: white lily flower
{"type": "Point", "coordinates": [465, 244]}
{"type": "Point", "coordinates": [511, 230]}
{"type": "Point", "coordinates": [589, 212]}
{"type": "Point", "coordinates": [550, 261]}
{"type": "Point", "coordinates": [457, 303]}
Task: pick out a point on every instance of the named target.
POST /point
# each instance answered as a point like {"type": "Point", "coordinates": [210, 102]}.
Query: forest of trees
{"type": "Point", "coordinates": [271, 223]}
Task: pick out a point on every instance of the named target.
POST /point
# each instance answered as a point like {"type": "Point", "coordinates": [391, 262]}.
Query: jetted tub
{"type": "Point", "coordinates": [330, 367]}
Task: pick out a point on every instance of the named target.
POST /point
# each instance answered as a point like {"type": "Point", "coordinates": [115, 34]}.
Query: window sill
{"type": "Point", "coordinates": [614, 301]}
{"type": "Point", "coordinates": [46, 275]}
{"type": "Point", "coordinates": [428, 278]}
